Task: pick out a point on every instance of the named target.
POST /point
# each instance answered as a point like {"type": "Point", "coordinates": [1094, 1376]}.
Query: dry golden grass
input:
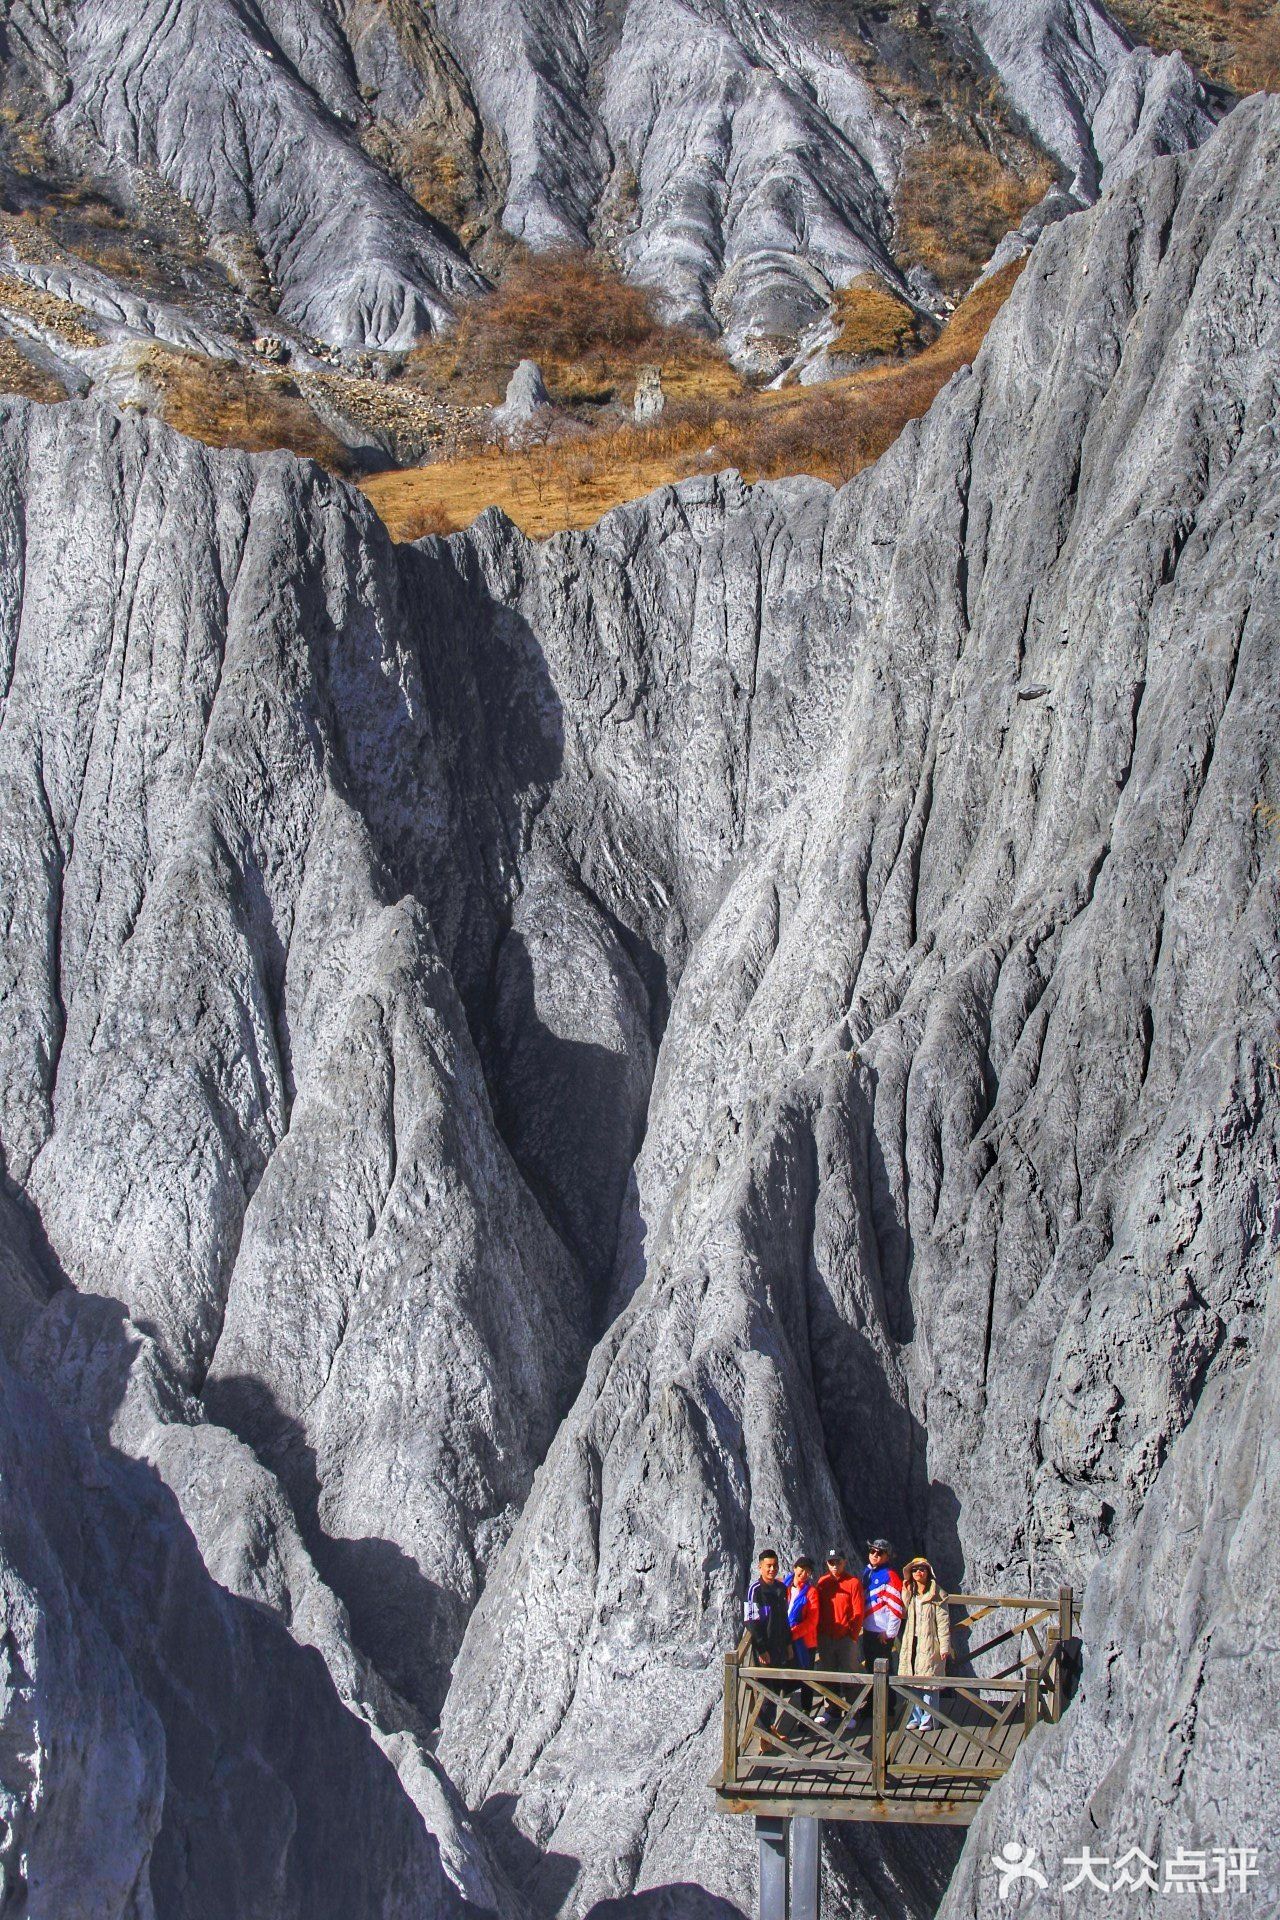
{"type": "Point", "coordinates": [874, 321]}
{"type": "Point", "coordinates": [831, 430]}
{"type": "Point", "coordinates": [1233, 41]}
{"type": "Point", "coordinates": [957, 201]}
{"type": "Point", "coordinates": [231, 406]}
{"type": "Point", "coordinates": [18, 376]}
{"type": "Point", "coordinates": [1254, 66]}
{"type": "Point", "coordinates": [62, 318]}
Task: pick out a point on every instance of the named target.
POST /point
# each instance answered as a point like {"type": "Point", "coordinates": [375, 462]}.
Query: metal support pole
{"type": "Point", "coordinates": [772, 1838]}
{"type": "Point", "coordinates": [879, 1727]}
{"type": "Point", "coordinates": [1066, 1630]}
{"type": "Point", "coordinates": [806, 1867]}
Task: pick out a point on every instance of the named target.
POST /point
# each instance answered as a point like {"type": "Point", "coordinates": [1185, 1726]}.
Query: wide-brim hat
{"type": "Point", "coordinates": [919, 1561]}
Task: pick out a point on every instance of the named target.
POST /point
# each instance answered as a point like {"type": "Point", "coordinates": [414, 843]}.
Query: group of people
{"type": "Point", "coordinates": [842, 1622]}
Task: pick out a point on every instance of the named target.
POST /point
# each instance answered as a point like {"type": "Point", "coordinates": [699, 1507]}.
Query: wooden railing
{"type": "Point", "coordinates": [781, 1722]}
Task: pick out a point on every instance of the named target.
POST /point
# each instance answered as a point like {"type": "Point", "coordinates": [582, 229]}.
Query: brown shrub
{"type": "Point", "coordinates": [431, 516]}
{"type": "Point", "coordinates": [432, 171]}
{"type": "Point", "coordinates": [957, 202]}
{"type": "Point", "coordinates": [585, 326]}
{"type": "Point", "coordinates": [562, 305]}
{"type": "Point", "coordinates": [1254, 65]}
{"type": "Point", "coordinates": [1236, 41]}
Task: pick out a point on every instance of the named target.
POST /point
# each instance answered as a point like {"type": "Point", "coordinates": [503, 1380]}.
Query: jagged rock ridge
{"type": "Point", "coordinates": [353, 895]}
{"type": "Point", "coordinates": [733, 153]}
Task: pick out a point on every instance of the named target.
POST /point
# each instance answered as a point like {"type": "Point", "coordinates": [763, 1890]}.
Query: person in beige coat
{"type": "Point", "coordinates": [924, 1645]}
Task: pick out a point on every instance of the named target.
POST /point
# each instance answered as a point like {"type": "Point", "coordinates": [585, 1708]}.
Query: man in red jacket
{"type": "Point", "coordinates": [840, 1611]}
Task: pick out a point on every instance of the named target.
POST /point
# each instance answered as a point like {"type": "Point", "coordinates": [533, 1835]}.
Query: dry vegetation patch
{"type": "Point", "coordinates": [831, 430]}
{"type": "Point", "coordinates": [62, 318]}
{"type": "Point", "coordinates": [226, 405]}
{"type": "Point", "coordinates": [1235, 42]}
{"type": "Point", "coordinates": [19, 376]}
{"type": "Point", "coordinates": [957, 201]}
{"type": "Point", "coordinates": [588, 330]}
{"type": "Point", "coordinates": [873, 320]}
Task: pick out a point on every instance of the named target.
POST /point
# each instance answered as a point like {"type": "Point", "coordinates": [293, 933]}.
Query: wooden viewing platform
{"type": "Point", "coordinates": [804, 1747]}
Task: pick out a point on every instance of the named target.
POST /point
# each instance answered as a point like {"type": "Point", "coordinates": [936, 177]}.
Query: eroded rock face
{"type": "Point", "coordinates": [1165, 1749]}
{"type": "Point", "coordinates": [1100, 104]}
{"type": "Point", "coordinates": [168, 1748]}
{"type": "Point", "coordinates": [527, 404]}
{"type": "Point", "coordinates": [962, 1149]}
{"type": "Point", "coordinates": [895, 868]}
{"type": "Point", "coordinates": [732, 154]}
{"type": "Point", "coordinates": [742, 159]}
{"type": "Point", "coordinates": [248, 114]}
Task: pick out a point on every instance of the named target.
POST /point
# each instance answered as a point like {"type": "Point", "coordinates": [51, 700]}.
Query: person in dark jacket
{"type": "Point", "coordinates": [765, 1614]}
{"type": "Point", "coordinates": [765, 1617]}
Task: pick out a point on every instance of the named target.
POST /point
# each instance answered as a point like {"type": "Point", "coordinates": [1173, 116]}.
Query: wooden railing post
{"type": "Point", "coordinates": [1030, 1701]}
{"type": "Point", "coordinates": [879, 1727]}
{"type": "Point", "coordinates": [730, 1719]}
{"type": "Point", "coordinates": [1066, 1628]}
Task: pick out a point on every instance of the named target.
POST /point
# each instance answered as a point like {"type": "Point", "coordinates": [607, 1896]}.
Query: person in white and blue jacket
{"type": "Point", "coordinates": [885, 1605]}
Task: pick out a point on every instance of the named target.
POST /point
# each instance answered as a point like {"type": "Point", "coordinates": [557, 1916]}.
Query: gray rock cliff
{"type": "Point", "coordinates": [958, 1184]}
{"type": "Point", "coordinates": [168, 1749]}
{"type": "Point", "coordinates": [248, 113]}
{"type": "Point", "coordinates": [525, 1067]}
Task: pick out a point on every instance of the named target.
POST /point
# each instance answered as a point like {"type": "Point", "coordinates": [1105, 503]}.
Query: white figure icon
{"type": "Point", "coordinates": [1014, 1863]}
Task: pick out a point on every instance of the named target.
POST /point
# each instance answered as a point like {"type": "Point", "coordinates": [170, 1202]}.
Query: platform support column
{"type": "Point", "coordinates": [879, 1727]}
{"type": "Point", "coordinates": [771, 1836]}
{"type": "Point", "coordinates": [1066, 1628]}
{"type": "Point", "coordinates": [806, 1867]}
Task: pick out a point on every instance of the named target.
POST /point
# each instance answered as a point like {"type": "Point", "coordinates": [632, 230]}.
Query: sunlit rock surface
{"type": "Point", "coordinates": [543, 1064]}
